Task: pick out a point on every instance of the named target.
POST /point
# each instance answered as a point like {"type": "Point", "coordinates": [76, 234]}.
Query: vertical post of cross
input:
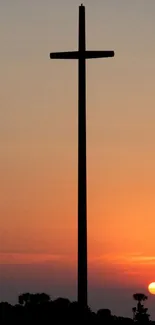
{"type": "Point", "coordinates": [82, 177]}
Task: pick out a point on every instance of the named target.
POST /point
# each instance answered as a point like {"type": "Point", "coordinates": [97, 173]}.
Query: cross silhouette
{"type": "Point", "coordinates": [82, 55]}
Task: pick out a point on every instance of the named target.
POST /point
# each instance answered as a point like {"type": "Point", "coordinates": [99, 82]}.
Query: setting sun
{"type": "Point", "coordinates": [151, 288]}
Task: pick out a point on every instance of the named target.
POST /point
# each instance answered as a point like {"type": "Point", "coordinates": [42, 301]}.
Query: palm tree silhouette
{"type": "Point", "coordinates": [140, 297]}
{"type": "Point", "coordinates": [140, 313]}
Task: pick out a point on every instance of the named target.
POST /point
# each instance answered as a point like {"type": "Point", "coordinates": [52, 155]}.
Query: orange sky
{"type": "Point", "coordinates": [38, 139]}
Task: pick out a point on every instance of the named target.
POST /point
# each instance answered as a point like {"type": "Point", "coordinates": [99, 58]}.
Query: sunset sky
{"type": "Point", "coordinates": [38, 150]}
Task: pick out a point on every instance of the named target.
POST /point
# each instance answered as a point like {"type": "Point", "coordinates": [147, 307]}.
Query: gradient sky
{"type": "Point", "coordinates": [38, 150]}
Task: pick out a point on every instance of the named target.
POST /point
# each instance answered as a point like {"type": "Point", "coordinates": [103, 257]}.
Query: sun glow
{"type": "Point", "coordinates": [151, 288]}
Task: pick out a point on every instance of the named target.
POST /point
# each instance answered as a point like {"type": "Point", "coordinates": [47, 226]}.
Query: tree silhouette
{"type": "Point", "coordinates": [140, 297]}
{"type": "Point", "coordinates": [30, 298]}
{"type": "Point", "coordinates": [104, 315]}
{"type": "Point", "coordinates": [24, 298]}
{"type": "Point", "coordinates": [140, 313]}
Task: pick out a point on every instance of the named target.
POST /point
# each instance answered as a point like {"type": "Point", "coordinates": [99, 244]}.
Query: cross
{"type": "Point", "coordinates": [81, 55]}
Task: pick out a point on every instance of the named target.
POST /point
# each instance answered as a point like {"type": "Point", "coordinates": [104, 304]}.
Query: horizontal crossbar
{"type": "Point", "coordinates": [75, 55]}
{"type": "Point", "coordinates": [99, 54]}
{"type": "Point", "coordinates": [65, 55]}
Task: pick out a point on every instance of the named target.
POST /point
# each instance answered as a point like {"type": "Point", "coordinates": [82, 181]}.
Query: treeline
{"type": "Point", "coordinates": [39, 308]}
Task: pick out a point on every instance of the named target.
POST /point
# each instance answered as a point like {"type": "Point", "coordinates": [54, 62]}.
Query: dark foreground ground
{"type": "Point", "coordinates": [39, 309]}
